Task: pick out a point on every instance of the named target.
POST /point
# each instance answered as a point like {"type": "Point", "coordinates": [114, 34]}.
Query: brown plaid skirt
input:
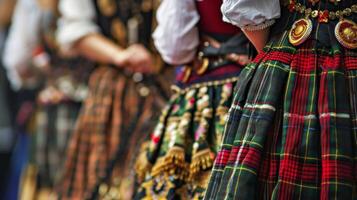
{"type": "Point", "coordinates": [113, 119]}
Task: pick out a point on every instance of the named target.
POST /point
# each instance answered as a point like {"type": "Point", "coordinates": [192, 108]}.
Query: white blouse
{"type": "Point", "coordinates": [77, 20]}
{"type": "Point", "coordinates": [176, 36]}
{"type": "Point", "coordinates": [251, 14]}
{"type": "Point", "coordinates": [22, 39]}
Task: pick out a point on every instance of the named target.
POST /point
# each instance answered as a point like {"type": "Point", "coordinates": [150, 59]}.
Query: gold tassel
{"type": "Point", "coordinates": [142, 165]}
{"type": "Point", "coordinates": [176, 156]}
{"type": "Point", "coordinates": [201, 160]}
{"type": "Point", "coordinates": [172, 163]}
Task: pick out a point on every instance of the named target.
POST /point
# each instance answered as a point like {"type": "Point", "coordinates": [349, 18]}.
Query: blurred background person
{"type": "Point", "coordinates": [49, 91]}
{"type": "Point", "coordinates": [124, 96]}
{"type": "Point", "coordinates": [6, 133]}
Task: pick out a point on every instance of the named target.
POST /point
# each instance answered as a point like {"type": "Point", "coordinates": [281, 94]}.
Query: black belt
{"type": "Point", "coordinates": [213, 57]}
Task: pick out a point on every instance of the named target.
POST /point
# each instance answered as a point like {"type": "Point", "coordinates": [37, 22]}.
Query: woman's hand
{"type": "Point", "coordinates": [98, 48]}
{"type": "Point", "coordinates": [136, 58]}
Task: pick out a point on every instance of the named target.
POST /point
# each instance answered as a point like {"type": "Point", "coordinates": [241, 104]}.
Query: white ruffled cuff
{"type": "Point", "coordinates": [251, 14]}
{"type": "Point", "coordinates": [260, 26]}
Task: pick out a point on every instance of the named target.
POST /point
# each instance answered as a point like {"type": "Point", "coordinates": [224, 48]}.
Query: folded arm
{"type": "Point", "coordinates": [79, 34]}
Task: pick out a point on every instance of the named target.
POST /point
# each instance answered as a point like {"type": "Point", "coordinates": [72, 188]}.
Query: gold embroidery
{"type": "Point", "coordinates": [158, 188]}
{"type": "Point", "coordinates": [345, 30]}
{"type": "Point", "coordinates": [300, 31]}
{"type": "Point", "coordinates": [346, 33]}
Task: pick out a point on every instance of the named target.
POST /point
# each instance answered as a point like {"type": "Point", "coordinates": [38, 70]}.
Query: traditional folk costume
{"type": "Point", "coordinates": [61, 84]}
{"type": "Point", "coordinates": [292, 129]}
{"type": "Point", "coordinates": [120, 107]}
{"type": "Point", "coordinates": [177, 160]}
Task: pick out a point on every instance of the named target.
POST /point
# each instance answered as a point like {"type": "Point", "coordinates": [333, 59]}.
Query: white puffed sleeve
{"type": "Point", "coordinates": [176, 36]}
{"type": "Point", "coordinates": [251, 14]}
{"type": "Point", "coordinates": [22, 39]}
{"type": "Point", "coordinates": [77, 20]}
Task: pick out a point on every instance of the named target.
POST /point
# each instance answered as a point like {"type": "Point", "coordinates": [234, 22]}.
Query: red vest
{"type": "Point", "coordinates": [211, 18]}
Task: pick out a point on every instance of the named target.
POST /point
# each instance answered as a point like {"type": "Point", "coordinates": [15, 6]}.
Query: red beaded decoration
{"type": "Point", "coordinates": [291, 6]}
{"type": "Point", "coordinates": [323, 16]}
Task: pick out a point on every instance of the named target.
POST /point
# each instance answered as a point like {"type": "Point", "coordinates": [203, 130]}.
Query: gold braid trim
{"type": "Point", "coordinates": [179, 90]}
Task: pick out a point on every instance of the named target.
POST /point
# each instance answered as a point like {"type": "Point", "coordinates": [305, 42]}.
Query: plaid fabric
{"type": "Point", "coordinates": [53, 127]}
{"type": "Point", "coordinates": [292, 129]}
{"type": "Point", "coordinates": [106, 116]}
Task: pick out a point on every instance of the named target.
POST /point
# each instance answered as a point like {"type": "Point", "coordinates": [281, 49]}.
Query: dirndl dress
{"type": "Point", "coordinates": [291, 132]}
{"type": "Point", "coordinates": [176, 162]}
{"type": "Point", "coordinates": [57, 106]}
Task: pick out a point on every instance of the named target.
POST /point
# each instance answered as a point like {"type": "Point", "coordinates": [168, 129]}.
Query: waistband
{"type": "Point", "coordinates": [213, 77]}
{"type": "Point", "coordinates": [215, 61]}
{"type": "Point", "coordinates": [330, 23]}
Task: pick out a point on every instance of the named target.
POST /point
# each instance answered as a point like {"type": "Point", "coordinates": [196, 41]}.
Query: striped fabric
{"type": "Point", "coordinates": [292, 129]}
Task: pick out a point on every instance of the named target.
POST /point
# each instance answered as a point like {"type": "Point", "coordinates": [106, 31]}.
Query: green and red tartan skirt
{"type": "Point", "coordinates": [292, 129]}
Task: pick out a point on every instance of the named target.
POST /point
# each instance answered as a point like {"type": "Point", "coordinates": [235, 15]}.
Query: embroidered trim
{"type": "Point", "coordinates": [179, 90]}
{"type": "Point", "coordinates": [258, 27]}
